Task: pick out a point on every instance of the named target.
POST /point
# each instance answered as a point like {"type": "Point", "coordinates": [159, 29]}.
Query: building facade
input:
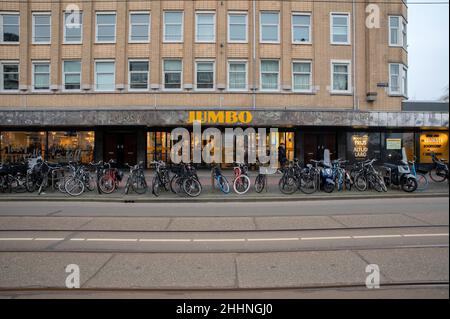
{"type": "Point", "coordinates": [95, 80]}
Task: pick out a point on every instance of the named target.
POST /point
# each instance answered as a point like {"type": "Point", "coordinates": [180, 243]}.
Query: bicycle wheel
{"type": "Point", "coordinates": [241, 184]}
{"type": "Point", "coordinates": [89, 182]}
{"type": "Point", "coordinates": [288, 185]}
{"type": "Point", "coordinates": [422, 182]}
{"type": "Point", "coordinates": [260, 183]}
{"type": "Point", "coordinates": [307, 184]}
{"type": "Point", "coordinates": [438, 175]}
{"type": "Point", "coordinates": [30, 184]}
{"type": "Point", "coordinates": [156, 187]}
{"type": "Point", "coordinates": [139, 185]}
{"type": "Point", "coordinates": [360, 183]}
{"type": "Point", "coordinates": [192, 187]}
{"type": "Point", "coordinates": [107, 184]}
{"type": "Point", "coordinates": [74, 186]}
{"type": "Point", "coordinates": [173, 183]}
{"type": "Point", "coordinates": [223, 184]}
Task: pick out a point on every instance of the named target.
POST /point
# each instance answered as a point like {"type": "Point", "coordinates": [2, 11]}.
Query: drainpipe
{"type": "Point", "coordinates": [254, 56]}
{"type": "Point", "coordinates": [355, 99]}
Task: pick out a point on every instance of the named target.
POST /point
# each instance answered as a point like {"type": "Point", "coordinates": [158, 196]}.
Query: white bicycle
{"type": "Point", "coordinates": [241, 183]}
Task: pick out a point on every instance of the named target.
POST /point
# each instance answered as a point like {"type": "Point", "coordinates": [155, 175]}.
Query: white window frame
{"type": "Point", "coordinates": [197, 13]}
{"type": "Point", "coordinates": [349, 34]}
{"type": "Point", "coordinates": [97, 13]}
{"type": "Point", "coordinates": [129, 75]}
{"type": "Point", "coordinates": [149, 27]}
{"type": "Point", "coordinates": [64, 30]}
{"type": "Point", "coordinates": [164, 27]}
{"type": "Point", "coordinates": [310, 76]}
{"type": "Point", "coordinates": [164, 75]}
{"type": "Point", "coordinates": [261, 78]}
{"type": "Point", "coordinates": [64, 75]}
{"type": "Point", "coordinates": [246, 75]}
{"type": "Point", "coordinates": [95, 74]}
{"type": "Point", "coordinates": [6, 62]}
{"type": "Point", "coordinates": [349, 72]}
{"type": "Point", "coordinates": [402, 28]}
{"type": "Point", "coordinates": [278, 26]}
{"type": "Point", "coordinates": [300, 25]}
{"type": "Point", "coordinates": [33, 64]}
{"type": "Point", "coordinates": [214, 74]}
{"type": "Point", "coordinates": [33, 28]}
{"type": "Point", "coordinates": [242, 13]}
{"type": "Point", "coordinates": [17, 13]}
{"type": "Point", "coordinates": [402, 78]}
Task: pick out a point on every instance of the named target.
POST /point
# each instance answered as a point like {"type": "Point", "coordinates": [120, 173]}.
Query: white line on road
{"type": "Point", "coordinates": [325, 238]}
{"type": "Point", "coordinates": [223, 239]}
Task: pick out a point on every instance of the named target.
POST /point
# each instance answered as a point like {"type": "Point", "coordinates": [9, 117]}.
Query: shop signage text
{"type": "Point", "coordinates": [220, 117]}
{"type": "Point", "coordinates": [360, 146]}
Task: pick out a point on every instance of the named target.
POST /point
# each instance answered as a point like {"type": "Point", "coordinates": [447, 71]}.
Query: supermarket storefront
{"type": "Point", "coordinates": [144, 135]}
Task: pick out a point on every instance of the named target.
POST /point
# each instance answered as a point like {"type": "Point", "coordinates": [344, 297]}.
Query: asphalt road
{"type": "Point", "coordinates": [310, 249]}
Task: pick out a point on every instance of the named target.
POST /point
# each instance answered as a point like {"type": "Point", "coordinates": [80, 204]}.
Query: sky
{"type": "Point", "coordinates": [428, 51]}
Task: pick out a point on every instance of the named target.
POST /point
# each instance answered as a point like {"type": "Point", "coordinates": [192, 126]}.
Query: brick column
{"type": "Point", "coordinates": [286, 46]}
{"type": "Point", "coordinates": [24, 47]}
{"type": "Point", "coordinates": [121, 44]}
{"type": "Point", "coordinates": [221, 43]}
{"type": "Point", "coordinates": [87, 81]}
{"type": "Point", "coordinates": [55, 47]}
{"type": "Point", "coordinates": [189, 27]}
{"type": "Point", "coordinates": [155, 44]}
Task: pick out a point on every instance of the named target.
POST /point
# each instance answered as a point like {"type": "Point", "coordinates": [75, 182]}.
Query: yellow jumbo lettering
{"type": "Point", "coordinates": [216, 117]}
{"type": "Point", "coordinates": [245, 117]}
{"type": "Point", "coordinates": [231, 117]}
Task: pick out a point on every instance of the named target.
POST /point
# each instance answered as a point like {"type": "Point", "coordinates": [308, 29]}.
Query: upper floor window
{"type": "Point", "coordinates": [205, 29]}
{"type": "Point", "coordinates": [138, 75]}
{"type": "Point", "coordinates": [301, 28]}
{"type": "Point", "coordinates": [237, 75]}
{"type": "Point", "coordinates": [397, 31]}
{"type": "Point", "coordinates": [398, 79]}
{"type": "Point", "coordinates": [270, 27]}
{"type": "Point", "coordinates": [9, 27]}
{"type": "Point", "coordinates": [172, 70]}
{"type": "Point", "coordinates": [105, 27]}
{"type": "Point", "coordinates": [41, 28]}
{"type": "Point", "coordinates": [173, 26]}
{"type": "Point", "coordinates": [105, 79]}
{"type": "Point", "coordinates": [139, 27]}
{"type": "Point", "coordinates": [302, 76]}
{"type": "Point", "coordinates": [72, 75]}
{"type": "Point", "coordinates": [41, 76]}
{"type": "Point", "coordinates": [340, 77]}
{"type": "Point", "coordinates": [9, 80]}
{"type": "Point", "coordinates": [270, 75]}
{"type": "Point", "coordinates": [205, 75]}
{"type": "Point", "coordinates": [237, 27]}
{"type": "Point", "coordinates": [73, 27]}
{"type": "Point", "coordinates": [340, 28]}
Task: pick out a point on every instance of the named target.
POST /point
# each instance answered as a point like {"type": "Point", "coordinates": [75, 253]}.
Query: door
{"type": "Point", "coordinates": [315, 144]}
{"type": "Point", "coordinates": [120, 147]}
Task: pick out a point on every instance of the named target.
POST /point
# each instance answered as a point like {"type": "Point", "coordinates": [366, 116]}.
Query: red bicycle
{"type": "Point", "coordinates": [111, 178]}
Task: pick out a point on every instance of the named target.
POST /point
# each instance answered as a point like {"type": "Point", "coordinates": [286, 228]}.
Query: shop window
{"type": "Point", "coordinates": [433, 142]}
{"type": "Point", "coordinates": [362, 146]}
{"type": "Point", "coordinates": [64, 147]}
{"type": "Point", "coordinates": [158, 147]}
{"type": "Point", "coordinates": [19, 146]}
{"type": "Point", "coordinates": [393, 144]}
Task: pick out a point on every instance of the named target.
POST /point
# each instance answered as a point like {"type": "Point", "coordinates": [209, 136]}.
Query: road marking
{"type": "Point", "coordinates": [425, 235]}
{"type": "Point", "coordinates": [325, 238]}
{"type": "Point", "coordinates": [221, 239]}
{"type": "Point", "coordinates": [376, 236]}
{"type": "Point", "coordinates": [273, 239]}
{"type": "Point", "coordinates": [113, 239]}
{"type": "Point", "coordinates": [163, 240]}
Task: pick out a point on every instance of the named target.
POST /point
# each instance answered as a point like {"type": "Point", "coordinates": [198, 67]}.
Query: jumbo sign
{"type": "Point", "coordinates": [220, 117]}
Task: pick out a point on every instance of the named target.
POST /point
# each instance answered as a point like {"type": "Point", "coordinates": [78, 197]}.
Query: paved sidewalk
{"type": "Point", "coordinates": [272, 193]}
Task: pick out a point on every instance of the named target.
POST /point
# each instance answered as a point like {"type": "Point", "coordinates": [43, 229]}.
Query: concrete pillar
{"type": "Point", "coordinates": [98, 145]}
{"type": "Point", "coordinates": [141, 145]}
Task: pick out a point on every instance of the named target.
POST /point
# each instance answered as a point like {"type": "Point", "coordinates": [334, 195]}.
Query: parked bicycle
{"type": "Point", "coordinates": [439, 173]}
{"type": "Point", "coordinates": [109, 178]}
{"type": "Point", "coordinates": [219, 180]}
{"type": "Point", "coordinates": [368, 177]}
{"type": "Point", "coordinates": [420, 174]}
{"type": "Point", "coordinates": [136, 179]}
{"type": "Point", "coordinates": [161, 178]}
{"type": "Point", "coordinates": [80, 180]}
{"type": "Point", "coordinates": [241, 183]}
{"type": "Point", "coordinates": [13, 178]}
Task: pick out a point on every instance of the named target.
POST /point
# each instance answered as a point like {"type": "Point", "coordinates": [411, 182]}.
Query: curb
{"type": "Point", "coordinates": [241, 199]}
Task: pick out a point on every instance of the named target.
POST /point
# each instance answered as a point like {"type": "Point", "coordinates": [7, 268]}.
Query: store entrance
{"type": "Point", "coordinates": [316, 143]}
{"type": "Point", "coordinates": [121, 147]}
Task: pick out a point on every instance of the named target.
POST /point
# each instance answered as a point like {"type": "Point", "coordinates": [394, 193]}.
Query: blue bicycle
{"type": "Point", "coordinates": [422, 180]}
{"type": "Point", "coordinates": [220, 181]}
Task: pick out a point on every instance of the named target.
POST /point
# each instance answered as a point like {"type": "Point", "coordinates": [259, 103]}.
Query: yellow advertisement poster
{"type": "Point", "coordinates": [436, 142]}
